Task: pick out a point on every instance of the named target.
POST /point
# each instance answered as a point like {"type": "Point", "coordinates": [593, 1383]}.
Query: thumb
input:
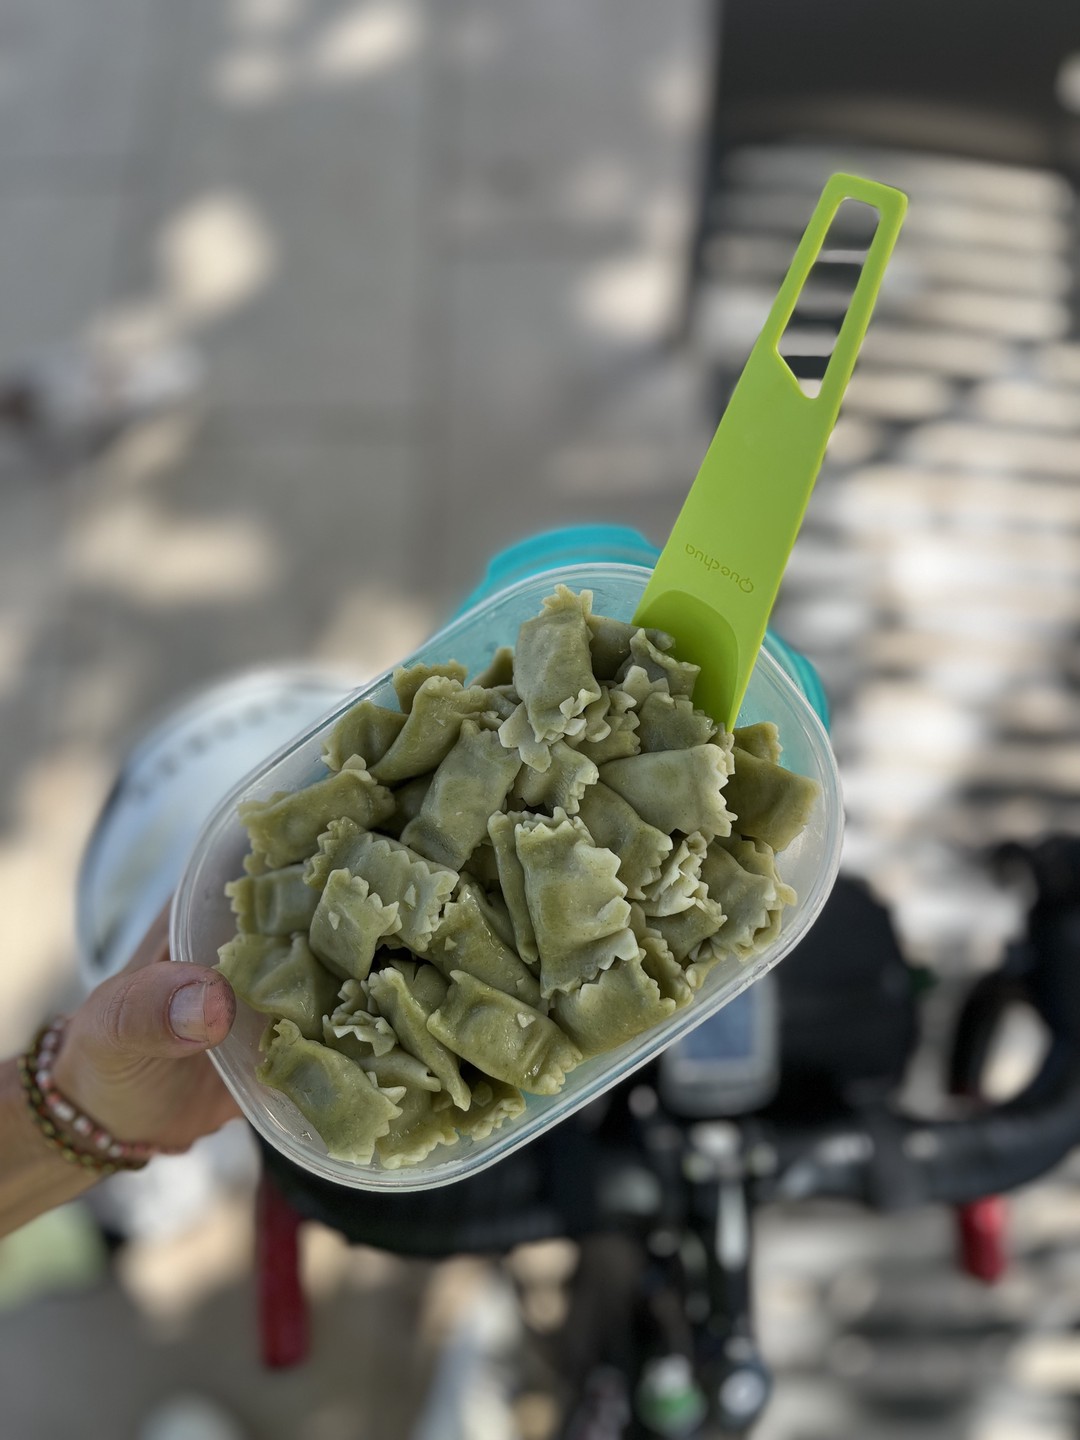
{"type": "Point", "coordinates": [162, 1010]}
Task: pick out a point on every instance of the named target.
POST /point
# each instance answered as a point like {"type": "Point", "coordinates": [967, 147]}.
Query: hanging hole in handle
{"type": "Point", "coordinates": [809, 338]}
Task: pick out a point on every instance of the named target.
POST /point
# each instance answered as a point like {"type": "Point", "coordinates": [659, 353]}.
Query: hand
{"type": "Point", "coordinates": [132, 1056]}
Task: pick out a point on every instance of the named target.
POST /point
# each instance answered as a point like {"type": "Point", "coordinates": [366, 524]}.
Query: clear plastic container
{"type": "Point", "coordinates": [202, 919]}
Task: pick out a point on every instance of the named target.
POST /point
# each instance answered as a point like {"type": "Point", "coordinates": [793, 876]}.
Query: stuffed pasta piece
{"type": "Point", "coordinates": [467, 940]}
{"type": "Point", "coordinates": [503, 1037]}
{"type": "Point", "coordinates": [659, 963]}
{"type": "Point", "coordinates": [577, 904]}
{"type": "Point", "coordinates": [395, 1067]}
{"type": "Point", "coordinates": [597, 725]}
{"type": "Point", "coordinates": [622, 721]}
{"type": "Point", "coordinates": [281, 978]}
{"type": "Point", "coordinates": [342, 1102]}
{"type": "Point", "coordinates": [615, 825]}
{"type": "Point", "coordinates": [742, 876]}
{"type": "Point", "coordinates": [502, 831]}
{"type": "Point", "coordinates": [338, 846]}
{"type": "Point", "coordinates": [690, 928]}
{"type": "Point", "coordinates": [609, 644]}
{"type": "Point", "coordinates": [426, 1121]}
{"type": "Point", "coordinates": [561, 786]}
{"type": "Point", "coordinates": [670, 722]}
{"type": "Point", "coordinates": [439, 708]}
{"type": "Point", "coordinates": [471, 783]}
{"type": "Point", "coordinates": [277, 902]}
{"type": "Point", "coordinates": [349, 923]}
{"type": "Point", "coordinates": [286, 828]}
{"type": "Point", "coordinates": [629, 998]}
{"type": "Point", "coordinates": [675, 789]}
{"type": "Point", "coordinates": [679, 883]}
{"type": "Point", "coordinates": [428, 1115]}
{"type": "Point", "coordinates": [619, 1004]}
{"type": "Point", "coordinates": [759, 859]}
{"type": "Point", "coordinates": [493, 1103]}
{"type": "Point", "coordinates": [746, 896]}
{"type": "Point", "coordinates": [680, 676]}
{"type": "Point", "coordinates": [772, 804]}
{"type": "Point", "coordinates": [516, 734]}
{"type": "Point", "coordinates": [553, 665]}
{"type": "Point", "coordinates": [408, 1008]}
{"type": "Point", "coordinates": [396, 874]}
{"type": "Point", "coordinates": [367, 730]}
{"type": "Point", "coordinates": [355, 1015]}
{"type": "Point", "coordinates": [761, 739]}
{"type": "Point", "coordinates": [408, 679]}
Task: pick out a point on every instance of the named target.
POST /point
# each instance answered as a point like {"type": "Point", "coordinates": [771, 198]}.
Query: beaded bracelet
{"type": "Point", "coordinates": [51, 1110]}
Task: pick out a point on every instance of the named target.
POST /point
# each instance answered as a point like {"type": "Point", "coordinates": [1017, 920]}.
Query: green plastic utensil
{"type": "Point", "coordinates": [716, 580]}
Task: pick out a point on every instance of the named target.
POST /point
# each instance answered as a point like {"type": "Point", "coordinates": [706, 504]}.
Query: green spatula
{"type": "Point", "coordinates": [716, 580]}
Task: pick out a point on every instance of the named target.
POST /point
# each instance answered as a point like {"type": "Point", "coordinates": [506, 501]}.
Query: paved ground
{"type": "Point", "coordinates": [428, 253]}
{"type": "Point", "coordinates": [431, 254]}
{"type": "Point", "coordinates": [426, 259]}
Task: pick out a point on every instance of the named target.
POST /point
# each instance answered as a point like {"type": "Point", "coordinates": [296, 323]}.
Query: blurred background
{"type": "Point", "coordinates": [307, 308]}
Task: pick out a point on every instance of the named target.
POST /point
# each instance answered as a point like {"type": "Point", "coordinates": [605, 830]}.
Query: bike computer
{"type": "Point", "coordinates": [728, 1065]}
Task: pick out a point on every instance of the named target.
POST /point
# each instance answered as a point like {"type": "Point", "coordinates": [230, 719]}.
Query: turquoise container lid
{"type": "Point", "coordinates": [619, 545]}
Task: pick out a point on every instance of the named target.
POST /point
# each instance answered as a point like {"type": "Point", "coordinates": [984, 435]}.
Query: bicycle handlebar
{"type": "Point", "coordinates": [888, 1160]}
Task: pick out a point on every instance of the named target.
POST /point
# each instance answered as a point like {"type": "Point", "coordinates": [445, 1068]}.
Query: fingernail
{"type": "Point", "coordinates": [187, 1012]}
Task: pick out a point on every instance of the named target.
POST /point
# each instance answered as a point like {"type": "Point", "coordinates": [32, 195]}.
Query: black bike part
{"type": "Point", "coordinates": [739, 1385]}
{"type": "Point", "coordinates": [847, 1006]}
{"type": "Point", "coordinates": [721, 1217]}
{"type": "Point", "coordinates": [1011, 1145]}
{"type": "Point", "coordinates": [545, 1189]}
{"type": "Point", "coordinates": [891, 1162]}
{"type": "Point", "coordinates": [1047, 959]}
{"type": "Point", "coordinates": [600, 1327]}
{"type": "Point", "coordinates": [846, 69]}
{"type": "Point", "coordinates": [1052, 866]}
{"type": "Point", "coordinates": [1054, 982]}
{"type": "Point", "coordinates": [976, 1027]}
{"type": "Point", "coordinates": [627, 1314]}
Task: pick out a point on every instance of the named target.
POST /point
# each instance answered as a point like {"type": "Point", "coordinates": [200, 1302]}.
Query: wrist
{"type": "Point", "coordinates": [33, 1176]}
{"type": "Point", "coordinates": [56, 1078]}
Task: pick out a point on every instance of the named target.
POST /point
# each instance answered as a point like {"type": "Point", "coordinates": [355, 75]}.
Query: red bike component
{"type": "Point", "coordinates": [982, 1226]}
{"type": "Point", "coordinates": [284, 1331]}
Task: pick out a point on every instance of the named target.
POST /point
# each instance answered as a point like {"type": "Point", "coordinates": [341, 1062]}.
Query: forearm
{"type": "Point", "coordinates": [33, 1176]}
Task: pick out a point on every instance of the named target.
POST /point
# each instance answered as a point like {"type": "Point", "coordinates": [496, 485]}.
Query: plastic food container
{"type": "Point", "coordinates": [202, 919]}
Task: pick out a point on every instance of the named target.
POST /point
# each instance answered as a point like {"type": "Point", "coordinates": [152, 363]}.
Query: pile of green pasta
{"type": "Point", "coordinates": [499, 879]}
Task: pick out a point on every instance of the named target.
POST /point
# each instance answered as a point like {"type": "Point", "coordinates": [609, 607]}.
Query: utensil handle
{"type": "Point", "coordinates": [718, 575]}
{"type": "Point", "coordinates": [890, 205]}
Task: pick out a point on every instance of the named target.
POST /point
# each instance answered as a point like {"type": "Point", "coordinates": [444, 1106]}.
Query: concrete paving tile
{"type": "Point", "coordinates": [57, 250]}
{"type": "Point", "coordinates": [318, 321]}
{"type": "Point", "coordinates": [259, 550]}
{"type": "Point", "coordinates": [360, 1381]}
{"type": "Point", "coordinates": [294, 102]}
{"type": "Point", "coordinates": [546, 417]}
{"type": "Point", "coordinates": [322, 178]}
{"type": "Point", "coordinates": [337, 327]}
{"type": "Point", "coordinates": [72, 79]}
{"type": "Point", "coordinates": [571, 124]}
{"type": "Point", "coordinates": [35, 509]}
{"type": "Point", "coordinates": [245, 556]}
{"type": "Point", "coordinates": [429, 250]}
